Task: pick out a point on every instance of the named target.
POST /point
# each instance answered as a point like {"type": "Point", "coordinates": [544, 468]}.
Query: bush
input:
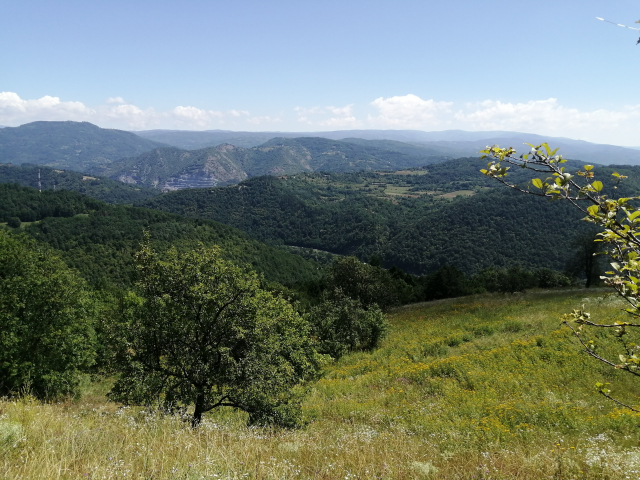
{"type": "Point", "coordinates": [446, 282]}
{"type": "Point", "coordinates": [341, 324]}
{"type": "Point", "coordinates": [368, 284]}
{"type": "Point", "coordinates": [14, 222]}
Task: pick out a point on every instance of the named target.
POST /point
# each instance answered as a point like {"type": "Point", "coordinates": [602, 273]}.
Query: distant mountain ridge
{"type": "Point", "coordinates": [192, 140]}
{"type": "Point", "coordinates": [235, 156]}
{"type": "Point", "coordinates": [449, 143]}
{"type": "Point", "coordinates": [171, 168]}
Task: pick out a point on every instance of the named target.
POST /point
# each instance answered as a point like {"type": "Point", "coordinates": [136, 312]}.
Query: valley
{"type": "Point", "coordinates": [417, 300]}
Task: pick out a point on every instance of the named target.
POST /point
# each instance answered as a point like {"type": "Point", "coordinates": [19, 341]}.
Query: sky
{"type": "Point", "coordinates": [544, 67]}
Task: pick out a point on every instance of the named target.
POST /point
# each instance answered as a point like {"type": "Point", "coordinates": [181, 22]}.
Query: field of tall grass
{"type": "Point", "coordinates": [485, 387]}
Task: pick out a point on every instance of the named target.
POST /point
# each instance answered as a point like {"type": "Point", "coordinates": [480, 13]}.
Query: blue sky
{"type": "Point", "coordinates": [546, 67]}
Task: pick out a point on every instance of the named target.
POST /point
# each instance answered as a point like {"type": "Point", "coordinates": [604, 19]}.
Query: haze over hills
{"type": "Point", "coordinates": [449, 143]}
{"type": "Point", "coordinates": [199, 139]}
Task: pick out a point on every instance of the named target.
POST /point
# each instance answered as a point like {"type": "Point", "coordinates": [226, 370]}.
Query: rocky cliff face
{"type": "Point", "coordinates": [220, 168]}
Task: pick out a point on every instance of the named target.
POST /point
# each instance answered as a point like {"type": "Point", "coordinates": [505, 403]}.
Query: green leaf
{"type": "Point", "coordinates": [593, 210]}
{"type": "Point", "coordinates": [537, 183]}
{"type": "Point", "coordinates": [597, 185]}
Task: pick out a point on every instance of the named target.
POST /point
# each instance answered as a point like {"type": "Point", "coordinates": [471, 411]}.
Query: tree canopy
{"type": "Point", "coordinates": [200, 332]}
{"type": "Point", "coordinates": [46, 321]}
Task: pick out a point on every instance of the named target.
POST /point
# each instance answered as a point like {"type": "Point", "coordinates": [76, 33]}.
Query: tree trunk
{"type": "Point", "coordinates": [588, 268]}
{"type": "Point", "coordinates": [199, 410]}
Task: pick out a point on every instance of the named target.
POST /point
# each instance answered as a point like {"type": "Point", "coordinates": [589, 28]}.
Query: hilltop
{"type": "Point", "coordinates": [47, 178]}
{"type": "Point", "coordinates": [76, 146]}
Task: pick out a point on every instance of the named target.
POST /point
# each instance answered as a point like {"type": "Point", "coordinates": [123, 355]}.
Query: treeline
{"type": "Point", "coordinates": [394, 287]}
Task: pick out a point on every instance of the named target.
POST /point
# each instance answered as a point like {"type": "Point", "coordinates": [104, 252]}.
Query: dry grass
{"type": "Point", "coordinates": [484, 388]}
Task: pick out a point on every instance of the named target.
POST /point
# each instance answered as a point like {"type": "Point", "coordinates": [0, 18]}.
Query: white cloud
{"type": "Point", "coordinates": [548, 117]}
{"type": "Point", "coordinates": [195, 117]}
{"type": "Point", "coordinates": [343, 117]}
{"type": "Point", "coordinates": [115, 112]}
{"type": "Point", "coordinates": [309, 111]}
{"type": "Point", "coordinates": [346, 111]}
{"type": "Point", "coordinates": [116, 100]}
{"type": "Point", "coordinates": [545, 117]}
{"type": "Point", "coordinates": [410, 111]}
{"type": "Point", "coordinates": [341, 122]}
{"type": "Point", "coordinates": [13, 109]}
{"type": "Point", "coordinates": [131, 115]}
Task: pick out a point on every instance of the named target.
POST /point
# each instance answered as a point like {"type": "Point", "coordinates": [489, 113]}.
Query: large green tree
{"type": "Point", "coordinates": [46, 318]}
{"type": "Point", "coordinates": [201, 333]}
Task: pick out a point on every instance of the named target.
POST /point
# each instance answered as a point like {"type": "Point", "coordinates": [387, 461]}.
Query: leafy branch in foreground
{"type": "Point", "coordinates": [620, 220]}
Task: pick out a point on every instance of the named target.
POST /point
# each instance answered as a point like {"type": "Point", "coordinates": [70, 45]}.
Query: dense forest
{"type": "Point", "coordinates": [418, 220]}
{"type": "Point", "coordinates": [99, 240]}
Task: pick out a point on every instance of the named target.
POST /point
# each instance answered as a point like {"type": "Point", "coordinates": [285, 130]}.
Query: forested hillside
{"type": "Point", "coordinates": [418, 220]}
{"type": "Point", "coordinates": [99, 239]}
{"type": "Point", "coordinates": [106, 189]}
{"type": "Point", "coordinates": [76, 146]}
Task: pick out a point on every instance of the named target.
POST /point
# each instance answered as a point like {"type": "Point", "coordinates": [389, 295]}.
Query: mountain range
{"type": "Point", "coordinates": [159, 159]}
{"type": "Point", "coordinates": [449, 143]}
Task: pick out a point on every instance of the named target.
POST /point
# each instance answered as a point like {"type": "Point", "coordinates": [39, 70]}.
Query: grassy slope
{"type": "Point", "coordinates": [485, 387]}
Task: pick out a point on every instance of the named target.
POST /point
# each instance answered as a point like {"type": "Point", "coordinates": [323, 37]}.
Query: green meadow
{"type": "Point", "coordinates": [484, 387]}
